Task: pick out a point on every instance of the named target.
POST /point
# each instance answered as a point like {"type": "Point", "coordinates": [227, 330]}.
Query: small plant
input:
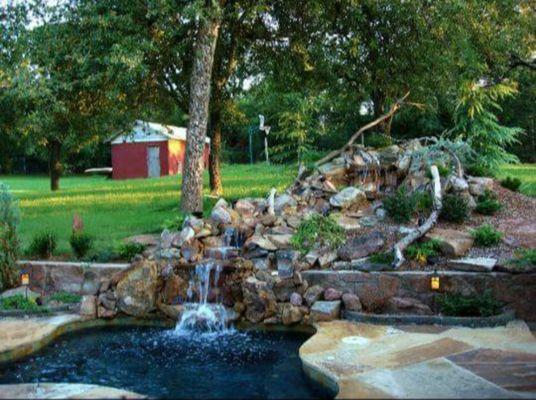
{"type": "Point", "coordinates": [525, 257]}
{"type": "Point", "coordinates": [127, 251]}
{"type": "Point", "coordinates": [424, 202]}
{"type": "Point", "coordinates": [487, 203]}
{"type": "Point", "coordinates": [9, 242]}
{"type": "Point", "coordinates": [455, 208]}
{"type": "Point", "coordinates": [175, 223]}
{"type": "Point", "coordinates": [486, 236]}
{"type": "Point", "coordinates": [400, 206]}
{"type": "Point", "coordinates": [382, 258]}
{"type": "Point", "coordinates": [43, 244]}
{"type": "Point", "coordinates": [421, 252]}
{"type": "Point", "coordinates": [317, 231]}
{"type": "Point", "coordinates": [479, 171]}
{"type": "Point", "coordinates": [511, 183]}
{"type": "Point", "coordinates": [20, 302]}
{"type": "Point", "coordinates": [81, 243]}
{"type": "Point", "coordinates": [65, 297]}
{"type": "Point", "coordinates": [469, 306]}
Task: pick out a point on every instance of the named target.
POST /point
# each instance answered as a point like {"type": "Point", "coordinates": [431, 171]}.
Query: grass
{"type": "Point", "coordinates": [112, 210]}
{"type": "Point", "coordinates": [525, 172]}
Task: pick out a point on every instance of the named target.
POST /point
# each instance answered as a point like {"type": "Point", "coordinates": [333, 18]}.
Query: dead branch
{"type": "Point", "coordinates": [401, 245]}
{"type": "Point", "coordinates": [394, 108]}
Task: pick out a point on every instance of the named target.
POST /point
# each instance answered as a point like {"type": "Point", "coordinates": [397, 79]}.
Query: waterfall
{"type": "Point", "coordinates": [202, 316]}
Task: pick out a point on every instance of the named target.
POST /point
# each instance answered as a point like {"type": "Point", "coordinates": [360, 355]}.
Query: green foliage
{"type": "Point", "coordinates": [423, 250]}
{"type": "Point", "coordinates": [382, 258]}
{"type": "Point", "coordinates": [175, 223]}
{"type": "Point", "coordinates": [43, 244]}
{"type": "Point", "coordinates": [81, 243]}
{"type": "Point", "coordinates": [487, 203]}
{"type": "Point", "coordinates": [483, 305]}
{"type": "Point", "coordinates": [479, 170]}
{"type": "Point", "coordinates": [455, 208]}
{"type": "Point", "coordinates": [127, 251]}
{"type": "Point", "coordinates": [9, 241]}
{"type": "Point", "coordinates": [20, 302]}
{"type": "Point", "coordinates": [378, 140]}
{"type": "Point", "coordinates": [424, 202]}
{"type": "Point", "coordinates": [400, 205]}
{"type": "Point", "coordinates": [486, 236]}
{"type": "Point", "coordinates": [317, 231]}
{"type": "Point", "coordinates": [65, 297]}
{"type": "Point", "coordinates": [511, 183]}
{"type": "Point", "coordinates": [476, 123]}
{"type": "Point", "coordinates": [524, 257]}
{"type": "Point", "coordinates": [442, 169]}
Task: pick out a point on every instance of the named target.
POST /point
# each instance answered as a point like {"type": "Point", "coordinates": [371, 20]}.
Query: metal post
{"type": "Point", "coordinates": [266, 148]}
{"type": "Point", "coordinates": [250, 145]}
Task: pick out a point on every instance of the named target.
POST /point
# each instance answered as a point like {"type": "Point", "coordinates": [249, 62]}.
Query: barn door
{"type": "Point", "coordinates": [153, 161]}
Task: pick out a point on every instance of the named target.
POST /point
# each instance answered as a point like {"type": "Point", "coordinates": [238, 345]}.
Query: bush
{"type": "Point", "coordinates": [43, 244]}
{"type": "Point", "coordinates": [65, 297]}
{"type": "Point", "coordinates": [19, 302]}
{"type": "Point", "coordinates": [315, 232]}
{"type": "Point", "coordinates": [525, 257]}
{"type": "Point", "coordinates": [175, 223]}
{"type": "Point", "coordinates": [400, 206]}
{"type": "Point", "coordinates": [487, 204]}
{"type": "Point", "coordinates": [422, 251]}
{"type": "Point", "coordinates": [377, 140]}
{"type": "Point", "coordinates": [455, 208]}
{"type": "Point", "coordinates": [81, 243]}
{"type": "Point", "coordinates": [511, 183]}
{"type": "Point", "coordinates": [382, 258]}
{"type": "Point", "coordinates": [9, 242]}
{"type": "Point", "coordinates": [127, 251]}
{"type": "Point", "coordinates": [424, 202]}
{"type": "Point", "coordinates": [479, 171]}
{"type": "Point", "coordinates": [486, 236]}
{"type": "Point", "coordinates": [469, 306]}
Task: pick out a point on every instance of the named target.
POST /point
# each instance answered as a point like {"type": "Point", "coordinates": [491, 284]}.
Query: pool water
{"type": "Point", "coordinates": [163, 363]}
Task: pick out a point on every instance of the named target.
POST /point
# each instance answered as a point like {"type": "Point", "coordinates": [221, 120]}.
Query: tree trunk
{"type": "Point", "coordinates": [216, 187]}
{"type": "Point", "coordinates": [54, 165]}
{"type": "Point", "coordinates": [192, 184]}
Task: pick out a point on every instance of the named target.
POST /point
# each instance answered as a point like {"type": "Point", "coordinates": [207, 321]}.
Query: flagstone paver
{"type": "Point", "coordinates": [64, 391]}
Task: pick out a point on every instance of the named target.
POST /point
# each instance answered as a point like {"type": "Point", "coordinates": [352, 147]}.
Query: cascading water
{"type": "Point", "coordinates": [203, 316]}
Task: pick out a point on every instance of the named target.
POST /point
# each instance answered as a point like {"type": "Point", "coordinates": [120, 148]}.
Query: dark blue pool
{"type": "Point", "coordinates": [160, 363]}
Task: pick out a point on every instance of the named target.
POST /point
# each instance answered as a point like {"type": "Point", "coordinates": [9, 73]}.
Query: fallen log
{"type": "Point", "coordinates": [411, 237]}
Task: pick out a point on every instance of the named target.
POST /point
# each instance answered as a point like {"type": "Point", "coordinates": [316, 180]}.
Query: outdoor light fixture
{"type": "Point", "coordinates": [434, 281]}
{"type": "Point", "coordinates": [25, 281]}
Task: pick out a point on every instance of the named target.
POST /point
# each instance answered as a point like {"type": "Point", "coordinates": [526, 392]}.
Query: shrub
{"type": "Point", "coordinates": [525, 257]}
{"type": "Point", "coordinates": [19, 302]}
{"type": "Point", "coordinates": [175, 223]}
{"type": "Point", "coordinates": [400, 205]}
{"type": "Point", "coordinates": [43, 244]}
{"type": "Point", "coordinates": [317, 231]}
{"type": "Point", "coordinates": [127, 251]}
{"type": "Point", "coordinates": [487, 204]}
{"type": "Point", "coordinates": [422, 251]}
{"type": "Point", "coordinates": [65, 297]}
{"type": "Point", "coordinates": [424, 202]}
{"type": "Point", "coordinates": [377, 140]}
{"type": "Point", "coordinates": [511, 183]}
{"type": "Point", "coordinates": [81, 243]}
{"type": "Point", "coordinates": [382, 258]}
{"type": "Point", "coordinates": [9, 242]}
{"type": "Point", "coordinates": [486, 236]}
{"type": "Point", "coordinates": [455, 208]}
{"type": "Point", "coordinates": [479, 170]}
{"type": "Point", "coordinates": [469, 306]}
{"type": "Point", "coordinates": [442, 169]}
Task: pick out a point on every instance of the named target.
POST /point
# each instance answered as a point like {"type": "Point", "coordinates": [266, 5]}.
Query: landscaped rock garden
{"type": "Point", "coordinates": [406, 207]}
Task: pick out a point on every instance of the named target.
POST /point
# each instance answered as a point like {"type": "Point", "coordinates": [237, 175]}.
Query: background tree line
{"type": "Point", "coordinates": [71, 75]}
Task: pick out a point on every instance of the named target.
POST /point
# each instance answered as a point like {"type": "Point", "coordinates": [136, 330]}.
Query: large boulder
{"type": "Point", "coordinates": [291, 314]}
{"type": "Point", "coordinates": [361, 246]}
{"type": "Point", "coordinates": [453, 243]}
{"type": "Point", "coordinates": [313, 294]}
{"type": "Point", "coordinates": [406, 305]}
{"type": "Point", "coordinates": [221, 216]}
{"type": "Point", "coordinates": [259, 300]}
{"type": "Point", "coordinates": [283, 202]}
{"type": "Point", "coordinates": [335, 171]}
{"type": "Point", "coordinates": [350, 197]}
{"type": "Point", "coordinates": [478, 185]}
{"type": "Point", "coordinates": [351, 302]}
{"type": "Point", "coordinates": [136, 289]}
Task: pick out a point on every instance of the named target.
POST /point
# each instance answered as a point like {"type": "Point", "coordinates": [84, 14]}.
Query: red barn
{"type": "Point", "coordinates": [150, 150]}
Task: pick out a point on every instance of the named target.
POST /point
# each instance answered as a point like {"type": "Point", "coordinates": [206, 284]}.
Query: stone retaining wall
{"type": "Point", "coordinates": [516, 290]}
{"type": "Point", "coordinates": [72, 277]}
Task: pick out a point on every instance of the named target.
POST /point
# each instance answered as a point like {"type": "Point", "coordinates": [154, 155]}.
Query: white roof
{"type": "Point", "coordinates": [152, 132]}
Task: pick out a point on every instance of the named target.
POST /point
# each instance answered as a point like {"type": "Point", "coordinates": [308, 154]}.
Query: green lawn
{"type": "Point", "coordinates": [113, 210]}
